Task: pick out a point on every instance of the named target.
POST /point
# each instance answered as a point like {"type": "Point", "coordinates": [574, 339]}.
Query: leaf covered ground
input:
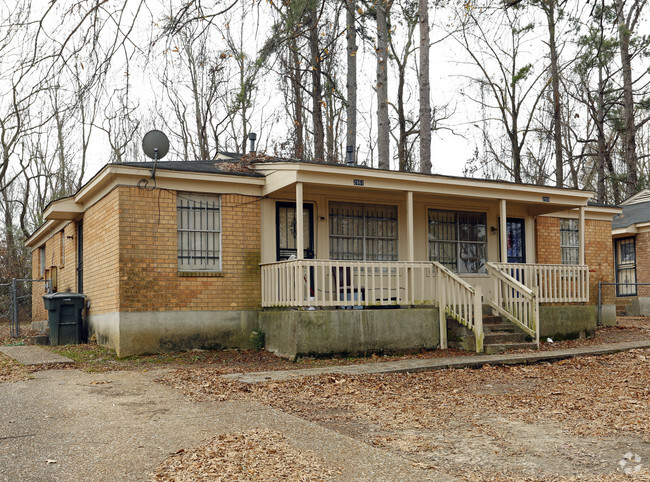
{"type": "Point", "coordinates": [585, 418]}
{"type": "Point", "coordinates": [579, 419]}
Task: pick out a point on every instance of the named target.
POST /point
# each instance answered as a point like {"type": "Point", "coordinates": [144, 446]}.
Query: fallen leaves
{"type": "Point", "coordinates": [249, 455]}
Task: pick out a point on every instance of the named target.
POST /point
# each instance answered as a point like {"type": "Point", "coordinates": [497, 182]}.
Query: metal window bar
{"type": "Point", "coordinates": [458, 240]}
{"type": "Point", "coordinates": [363, 232]}
{"type": "Point", "coordinates": [199, 232]}
{"type": "Point", "coordinates": [569, 241]}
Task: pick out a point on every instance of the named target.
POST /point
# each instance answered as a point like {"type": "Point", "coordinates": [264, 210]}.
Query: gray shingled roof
{"type": "Point", "coordinates": [632, 214]}
{"type": "Point", "coordinates": [225, 166]}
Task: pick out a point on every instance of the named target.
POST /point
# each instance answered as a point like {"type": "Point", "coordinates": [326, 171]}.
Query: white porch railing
{"type": "Point", "coordinates": [556, 283]}
{"type": "Point", "coordinates": [516, 302]}
{"type": "Point", "coordinates": [462, 302]}
{"type": "Point", "coordinates": [332, 283]}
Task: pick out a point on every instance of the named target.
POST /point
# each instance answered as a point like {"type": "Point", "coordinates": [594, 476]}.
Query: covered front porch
{"type": "Point", "coordinates": [353, 238]}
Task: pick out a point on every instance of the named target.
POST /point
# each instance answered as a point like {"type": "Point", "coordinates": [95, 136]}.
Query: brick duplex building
{"type": "Point", "coordinates": [234, 252]}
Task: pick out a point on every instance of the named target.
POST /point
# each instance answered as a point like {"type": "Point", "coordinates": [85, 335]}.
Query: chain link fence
{"type": "Point", "coordinates": [16, 305]}
{"type": "Point", "coordinates": [622, 299]}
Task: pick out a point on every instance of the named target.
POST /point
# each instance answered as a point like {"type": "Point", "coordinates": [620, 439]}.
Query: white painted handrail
{"type": "Point", "coordinates": [462, 302]}
{"type": "Point", "coordinates": [516, 302]}
{"type": "Point", "coordinates": [556, 283]}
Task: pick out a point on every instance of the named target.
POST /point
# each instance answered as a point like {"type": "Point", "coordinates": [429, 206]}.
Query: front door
{"type": "Point", "coordinates": [515, 237]}
{"type": "Point", "coordinates": [285, 230]}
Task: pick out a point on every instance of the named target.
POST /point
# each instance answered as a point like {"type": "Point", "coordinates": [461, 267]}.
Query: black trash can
{"type": "Point", "coordinates": [65, 318]}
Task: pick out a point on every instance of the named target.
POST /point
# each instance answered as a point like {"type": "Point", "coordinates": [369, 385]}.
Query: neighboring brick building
{"type": "Point", "coordinates": [631, 240]}
{"type": "Point", "coordinates": [174, 263]}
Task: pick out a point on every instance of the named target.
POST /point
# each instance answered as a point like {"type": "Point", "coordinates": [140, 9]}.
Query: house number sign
{"type": "Point", "coordinates": [546, 199]}
{"type": "Point", "coordinates": [357, 182]}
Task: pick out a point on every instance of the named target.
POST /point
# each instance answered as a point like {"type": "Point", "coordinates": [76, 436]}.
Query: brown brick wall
{"type": "Point", "coordinates": [599, 253]}
{"type": "Point", "coordinates": [642, 246]}
{"type": "Point", "coordinates": [101, 254]}
{"type": "Point", "coordinates": [149, 276]}
{"type": "Point", "coordinates": [65, 263]}
{"type": "Point", "coordinates": [547, 237]}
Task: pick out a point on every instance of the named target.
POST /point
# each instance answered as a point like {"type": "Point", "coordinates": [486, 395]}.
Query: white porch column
{"type": "Point", "coordinates": [503, 236]}
{"type": "Point", "coordinates": [300, 221]}
{"type": "Point", "coordinates": [409, 226]}
{"type": "Point", "coordinates": [581, 233]}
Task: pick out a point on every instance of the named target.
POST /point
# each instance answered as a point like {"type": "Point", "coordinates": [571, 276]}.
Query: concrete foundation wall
{"type": "Point", "coordinates": [638, 307]}
{"type": "Point", "coordinates": [154, 332]}
{"type": "Point", "coordinates": [350, 332]}
{"type": "Point", "coordinates": [567, 322]}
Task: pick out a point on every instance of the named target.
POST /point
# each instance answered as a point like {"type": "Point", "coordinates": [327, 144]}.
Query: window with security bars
{"type": "Point", "coordinates": [569, 241]}
{"type": "Point", "coordinates": [458, 240]}
{"type": "Point", "coordinates": [625, 267]}
{"type": "Point", "coordinates": [199, 232]}
{"type": "Point", "coordinates": [363, 232]}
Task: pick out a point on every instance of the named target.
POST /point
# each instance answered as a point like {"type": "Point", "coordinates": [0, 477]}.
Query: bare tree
{"type": "Point", "coordinates": [351, 49]}
{"type": "Point", "coordinates": [425, 90]}
{"type": "Point", "coordinates": [628, 15]}
{"type": "Point", "coordinates": [513, 89]}
{"type": "Point", "coordinates": [382, 10]}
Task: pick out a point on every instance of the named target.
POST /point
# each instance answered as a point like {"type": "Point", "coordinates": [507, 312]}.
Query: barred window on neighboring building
{"type": "Point", "coordinates": [458, 240]}
{"type": "Point", "coordinates": [363, 232]}
{"type": "Point", "coordinates": [199, 232]}
{"type": "Point", "coordinates": [569, 241]}
{"type": "Point", "coordinates": [625, 267]}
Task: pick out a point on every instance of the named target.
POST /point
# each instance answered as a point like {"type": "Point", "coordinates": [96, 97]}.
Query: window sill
{"type": "Point", "coordinates": [207, 274]}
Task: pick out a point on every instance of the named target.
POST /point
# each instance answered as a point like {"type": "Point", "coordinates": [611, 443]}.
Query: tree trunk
{"type": "Point", "coordinates": [316, 94]}
{"type": "Point", "coordinates": [629, 135]}
{"type": "Point", "coordinates": [600, 132]}
{"type": "Point", "coordinates": [549, 8]}
{"type": "Point", "coordinates": [425, 94]}
{"type": "Point", "coordinates": [351, 138]}
{"type": "Point", "coordinates": [383, 124]}
{"type": "Point", "coordinates": [298, 122]}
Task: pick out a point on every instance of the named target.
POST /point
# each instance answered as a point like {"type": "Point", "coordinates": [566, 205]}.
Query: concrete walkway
{"type": "Point", "coordinates": [419, 365]}
{"type": "Point", "coordinates": [71, 425]}
{"type": "Point", "coordinates": [33, 355]}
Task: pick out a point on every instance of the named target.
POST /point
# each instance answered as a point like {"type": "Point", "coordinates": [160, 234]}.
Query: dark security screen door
{"type": "Point", "coordinates": [80, 257]}
{"type": "Point", "coordinates": [285, 226]}
{"type": "Point", "coordinates": [515, 239]}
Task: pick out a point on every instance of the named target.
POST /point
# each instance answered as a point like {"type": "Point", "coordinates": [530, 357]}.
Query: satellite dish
{"type": "Point", "coordinates": [155, 144]}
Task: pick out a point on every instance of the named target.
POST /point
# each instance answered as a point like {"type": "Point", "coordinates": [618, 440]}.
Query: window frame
{"type": "Point", "coordinates": [621, 290]}
{"type": "Point", "coordinates": [391, 241]}
{"type": "Point", "coordinates": [210, 258]}
{"type": "Point", "coordinates": [457, 242]}
{"type": "Point", "coordinates": [568, 234]}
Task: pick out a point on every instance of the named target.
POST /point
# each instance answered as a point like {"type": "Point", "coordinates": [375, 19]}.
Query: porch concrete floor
{"type": "Point", "coordinates": [419, 365]}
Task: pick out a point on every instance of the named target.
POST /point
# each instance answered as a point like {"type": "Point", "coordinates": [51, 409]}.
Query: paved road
{"type": "Point", "coordinates": [121, 425]}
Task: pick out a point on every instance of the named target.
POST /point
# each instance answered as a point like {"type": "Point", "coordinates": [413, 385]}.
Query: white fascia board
{"type": "Point", "coordinates": [63, 209]}
{"type": "Point", "coordinates": [45, 232]}
{"type": "Point", "coordinates": [340, 176]}
{"type": "Point", "coordinates": [113, 175]}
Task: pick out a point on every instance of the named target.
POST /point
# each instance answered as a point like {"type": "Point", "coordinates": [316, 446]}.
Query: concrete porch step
{"type": "Point", "coordinates": [496, 338]}
{"type": "Point", "coordinates": [499, 328]}
{"type": "Point", "coordinates": [501, 347]}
